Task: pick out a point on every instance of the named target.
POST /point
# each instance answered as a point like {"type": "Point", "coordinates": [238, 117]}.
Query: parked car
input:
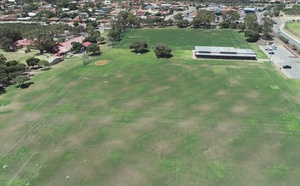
{"type": "Point", "coordinates": [268, 49]}
{"type": "Point", "coordinates": [271, 53]}
{"type": "Point", "coordinates": [286, 66]}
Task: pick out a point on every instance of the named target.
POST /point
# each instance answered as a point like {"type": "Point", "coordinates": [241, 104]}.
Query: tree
{"type": "Point", "coordinates": [76, 47]}
{"type": "Point", "coordinates": [139, 46]}
{"type": "Point", "coordinates": [114, 34]}
{"type": "Point", "coordinates": [42, 39]}
{"type": "Point", "coordinates": [267, 28]}
{"type": "Point", "coordinates": [241, 26]}
{"type": "Point", "coordinates": [94, 48]}
{"type": "Point", "coordinates": [231, 16]}
{"type": "Point", "coordinates": [9, 70]}
{"type": "Point", "coordinates": [32, 61]}
{"type": "Point", "coordinates": [178, 16]}
{"type": "Point", "coordinates": [162, 51]}
{"type": "Point", "coordinates": [20, 80]}
{"type": "Point", "coordinates": [224, 24]}
{"type": "Point", "coordinates": [182, 23]}
{"type": "Point", "coordinates": [2, 59]}
{"type": "Point", "coordinates": [250, 21]}
{"type": "Point", "coordinates": [43, 63]}
{"type": "Point", "coordinates": [203, 17]}
{"type": "Point", "coordinates": [9, 35]}
{"type": "Point", "coordinates": [252, 36]}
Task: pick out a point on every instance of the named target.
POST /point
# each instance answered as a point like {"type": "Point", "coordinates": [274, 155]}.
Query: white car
{"type": "Point", "coordinates": [268, 49]}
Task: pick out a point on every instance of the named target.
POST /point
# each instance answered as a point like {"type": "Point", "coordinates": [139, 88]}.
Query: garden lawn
{"type": "Point", "coordinates": [293, 27]}
{"type": "Point", "coordinates": [139, 120]}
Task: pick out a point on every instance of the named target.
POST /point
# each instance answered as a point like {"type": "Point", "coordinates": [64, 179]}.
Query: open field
{"type": "Point", "coordinates": [184, 39]}
{"type": "Point", "coordinates": [293, 27]}
{"type": "Point", "coordinates": [160, 122]}
{"type": "Point", "coordinates": [136, 120]}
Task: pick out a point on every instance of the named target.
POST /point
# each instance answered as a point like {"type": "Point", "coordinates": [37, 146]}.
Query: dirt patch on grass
{"type": "Point", "coordinates": [221, 92]}
{"type": "Point", "coordinates": [239, 109]}
{"type": "Point", "coordinates": [135, 103]}
{"type": "Point", "coordinates": [100, 63]}
{"type": "Point", "coordinates": [204, 107]}
{"type": "Point", "coordinates": [188, 124]}
{"type": "Point", "coordinates": [161, 148]}
{"type": "Point", "coordinates": [128, 176]}
{"type": "Point", "coordinates": [252, 94]}
{"type": "Point", "coordinates": [12, 106]}
{"type": "Point", "coordinates": [160, 89]}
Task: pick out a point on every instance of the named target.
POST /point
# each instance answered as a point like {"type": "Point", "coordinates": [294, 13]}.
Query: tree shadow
{"type": "Point", "coordinates": [46, 69]}
{"type": "Point", "coordinates": [168, 56]}
{"type": "Point", "coordinates": [2, 90]}
{"type": "Point", "coordinates": [25, 85]}
{"type": "Point", "coordinates": [141, 52]}
{"type": "Point", "coordinates": [95, 54]}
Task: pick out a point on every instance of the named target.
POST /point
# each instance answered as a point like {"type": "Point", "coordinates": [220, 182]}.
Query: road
{"type": "Point", "coordinates": [279, 28]}
{"type": "Point", "coordinates": [185, 12]}
{"type": "Point", "coordinates": [283, 56]}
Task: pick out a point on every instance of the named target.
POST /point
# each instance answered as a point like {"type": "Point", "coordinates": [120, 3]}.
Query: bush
{"type": "Point", "coordinates": [294, 47]}
{"type": "Point", "coordinates": [284, 39]}
{"type": "Point", "coordinates": [162, 51]}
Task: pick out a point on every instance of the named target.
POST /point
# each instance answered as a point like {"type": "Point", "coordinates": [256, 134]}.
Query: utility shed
{"type": "Point", "coordinates": [224, 53]}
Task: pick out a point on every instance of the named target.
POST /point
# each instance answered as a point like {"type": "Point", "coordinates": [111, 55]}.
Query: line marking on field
{"type": "Point", "coordinates": [7, 133]}
{"type": "Point", "coordinates": [96, 92]}
{"type": "Point", "coordinates": [20, 169]}
{"type": "Point", "coordinates": [38, 123]}
{"type": "Point", "coordinates": [35, 173]}
{"type": "Point", "coordinates": [281, 91]}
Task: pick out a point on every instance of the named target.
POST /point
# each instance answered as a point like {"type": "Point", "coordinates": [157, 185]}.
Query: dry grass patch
{"type": "Point", "coordinates": [238, 109]}
{"type": "Point", "coordinates": [100, 63]}
{"type": "Point", "coordinates": [252, 94]}
{"type": "Point", "coordinates": [161, 148]}
{"type": "Point", "coordinates": [127, 175]}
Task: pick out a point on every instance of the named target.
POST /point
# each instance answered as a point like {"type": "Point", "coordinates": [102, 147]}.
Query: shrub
{"type": "Point", "coordinates": [294, 47]}
{"type": "Point", "coordinates": [284, 39]}
{"type": "Point", "coordinates": [162, 51]}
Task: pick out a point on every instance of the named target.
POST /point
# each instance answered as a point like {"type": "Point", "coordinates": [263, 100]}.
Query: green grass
{"type": "Point", "coordinates": [184, 39]}
{"type": "Point", "coordinates": [19, 55]}
{"type": "Point", "coordinates": [293, 27]}
{"type": "Point", "coordinates": [139, 120]}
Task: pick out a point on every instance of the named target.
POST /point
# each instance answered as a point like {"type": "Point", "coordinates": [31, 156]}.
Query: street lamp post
{"type": "Point", "coordinates": [270, 58]}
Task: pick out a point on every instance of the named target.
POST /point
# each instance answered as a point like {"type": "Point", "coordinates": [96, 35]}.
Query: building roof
{"type": "Point", "coordinates": [67, 45]}
{"type": "Point", "coordinates": [23, 42]}
{"type": "Point", "coordinates": [86, 44]}
{"type": "Point", "coordinates": [223, 51]}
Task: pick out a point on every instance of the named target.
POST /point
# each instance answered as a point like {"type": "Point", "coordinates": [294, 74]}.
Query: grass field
{"type": "Point", "coordinates": [293, 27]}
{"type": "Point", "coordinates": [139, 120]}
{"type": "Point", "coordinates": [184, 39]}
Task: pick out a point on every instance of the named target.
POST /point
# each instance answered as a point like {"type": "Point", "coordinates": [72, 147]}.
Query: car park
{"type": "Point", "coordinates": [286, 66]}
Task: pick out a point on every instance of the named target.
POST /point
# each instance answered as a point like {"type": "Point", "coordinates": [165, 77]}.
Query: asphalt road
{"type": "Point", "coordinates": [279, 28]}
{"type": "Point", "coordinates": [283, 56]}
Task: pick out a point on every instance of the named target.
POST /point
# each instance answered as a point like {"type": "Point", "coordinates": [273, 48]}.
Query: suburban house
{"type": "Point", "coordinates": [224, 53]}
{"type": "Point", "coordinates": [63, 48]}
{"type": "Point", "coordinates": [22, 43]}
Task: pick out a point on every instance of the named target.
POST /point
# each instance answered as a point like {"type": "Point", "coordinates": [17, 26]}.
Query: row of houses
{"type": "Point", "coordinates": [58, 49]}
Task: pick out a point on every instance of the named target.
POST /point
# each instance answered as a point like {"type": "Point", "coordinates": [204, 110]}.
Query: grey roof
{"type": "Point", "coordinates": [223, 51]}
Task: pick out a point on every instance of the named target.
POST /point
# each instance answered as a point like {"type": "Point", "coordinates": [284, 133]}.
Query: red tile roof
{"type": "Point", "coordinates": [67, 45]}
{"type": "Point", "coordinates": [86, 44]}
